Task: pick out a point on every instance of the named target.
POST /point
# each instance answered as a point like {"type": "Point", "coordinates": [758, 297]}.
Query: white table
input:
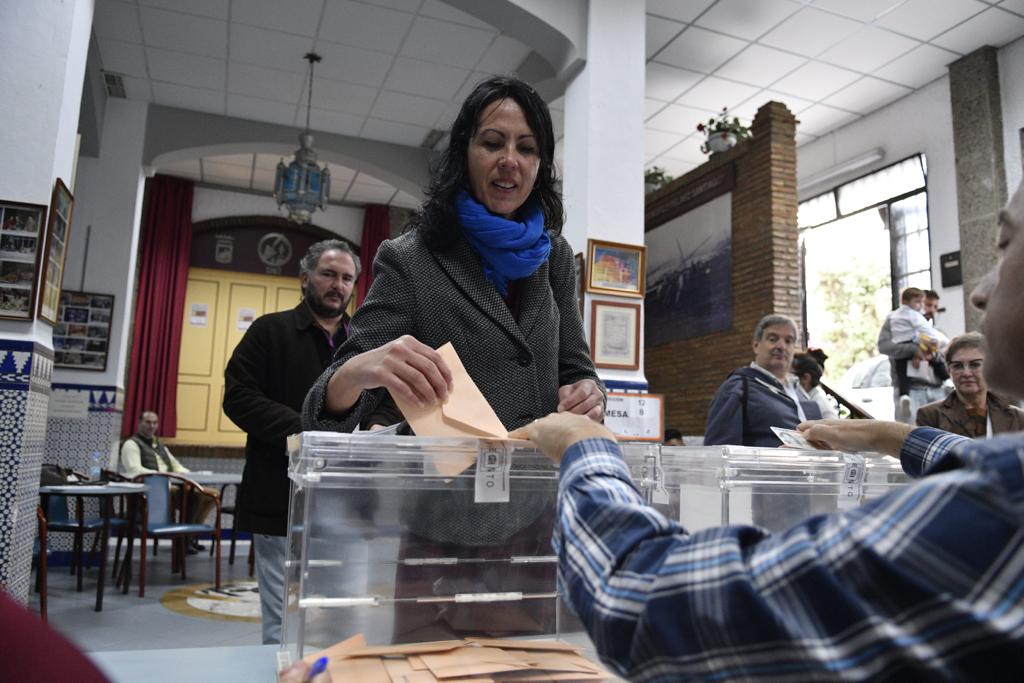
{"type": "Point", "coordinates": [105, 493]}
{"type": "Point", "coordinates": [214, 478]}
{"type": "Point", "coordinates": [239, 664]}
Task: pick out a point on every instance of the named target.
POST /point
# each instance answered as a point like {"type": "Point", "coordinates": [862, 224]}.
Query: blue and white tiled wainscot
{"type": "Point", "coordinates": [25, 369]}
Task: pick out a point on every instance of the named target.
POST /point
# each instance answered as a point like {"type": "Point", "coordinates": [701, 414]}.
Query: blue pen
{"type": "Point", "coordinates": [319, 666]}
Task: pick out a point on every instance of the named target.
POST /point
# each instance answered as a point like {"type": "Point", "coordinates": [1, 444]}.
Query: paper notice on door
{"type": "Point", "coordinates": [245, 317]}
{"type": "Point", "coordinates": [198, 315]}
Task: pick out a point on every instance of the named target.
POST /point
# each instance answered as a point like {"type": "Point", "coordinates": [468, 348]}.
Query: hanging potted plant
{"type": "Point", "coordinates": [654, 178]}
{"type": "Point", "coordinates": [723, 133]}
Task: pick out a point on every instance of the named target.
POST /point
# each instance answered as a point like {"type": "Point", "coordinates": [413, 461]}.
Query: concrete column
{"type": "Point", "coordinates": [980, 164]}
{"type": "Point", "coordinates": [42, 71]}
{"type": "Point", "coordinates": [604, 142]}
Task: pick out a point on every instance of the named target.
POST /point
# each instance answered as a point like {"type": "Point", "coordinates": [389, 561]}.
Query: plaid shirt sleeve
{"type": "Point", "coordinates": [924, 583]}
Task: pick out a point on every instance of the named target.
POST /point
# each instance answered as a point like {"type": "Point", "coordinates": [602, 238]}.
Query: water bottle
{"type": "Point", "coordinates": [95, 466]}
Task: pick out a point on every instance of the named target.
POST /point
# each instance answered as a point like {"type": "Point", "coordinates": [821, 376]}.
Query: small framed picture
{"type": "Point", "coordinates": [55, 252]}
{"type": "Point", "coordinates": [616, 268]}
{"type": "Point", "coordinates": [615, 335]}
{"type": "Point", "coordinates": [581, 278]}
{"type": "Point", "coordinates": [21, 236]}
{"type": "Point", "coordinates": [81, 337]}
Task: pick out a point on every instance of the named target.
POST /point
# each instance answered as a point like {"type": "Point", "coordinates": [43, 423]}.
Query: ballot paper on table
{"type": "Point", "coordinates": [465, 413]}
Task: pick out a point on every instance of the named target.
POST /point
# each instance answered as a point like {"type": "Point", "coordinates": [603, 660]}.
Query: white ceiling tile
{"type": "Point", "coordinates": [123, 58]}
{"type": "Point", "coordinates": [416, 77]}
{"type": "Point", "coordinates": [215, 9]}
{"type": "Point", "coordinates": [861, 10]}
{"type": "Point", "coordinates": [925, 19]}
{"type": "Point", "coordinates": [116, 21]}
{"type": "Point", "coordinates": [445, 43]}
{"type": "Point", "coordinates": [398, 133]}
{"type": "Point", "coordinates": [676, 167]}
{"type": "Point", "coordinates": [243, 160]}
{"type": "Point", "coordinates": [815, 80]}
{"type": "Point", "coordinates": [258, 81]}
{"type": "Point", "coordinates": [867, 95]}
{"type": "Point", "coordinates": [746, 19]}
{"type": "Point", "coordinates": [225, 181]}
{"type": "Point", "coordinates": [237, 174]}
{"type": "Point", "coordinates": [347, 98]}
{"type": "Point", "coordinates": [687, 150]}
{"type": "Point", "coordinates": [503, 56]}
{"type": "Point", "coordinates": [419, 111]}
{"type": "Point", "coordinates": [804, 138]}
{"type": "Point", "coordinates": [184, 32]}
{"type": "Point", "coordinates": [410, 6]}
{"type": "Point", "coordinates": [138, 89]}
{"type": "Point", "coordinates": [1013, 6]}
{"type": "Point", "coordinates": [680, 10]}
{"type": "Point", "coordinates": [713, 93]}
{"type": "Point", "coordinates": [295, 16]}
{"type": "Point", "coordinates": [258, 109]}
{"type": "Point", "coordinates": [657, 141]}
{"type": "Point", "coordinates": [676, 118]}
{"type": "Point", "coordinates": [404, 200]}
{"type": "Point", "coordinates": [262, 179]}
{"type": "Point", "coordinates": [268, 162]}
{"type": "Point", "coordinates": [341, 175]}
{"type": "Point", "coordinates": [186, 166]}
{"type": "Point", "coordinates": [354, 23]}
{"type": "Point", "coordinates": [821, 119]}
{"type": "Point", "coordinates": [369, 194]}
{"type": "Point", "coordinates": [474, 78]}
{"type": "Point", "coordinates": [994, 27]}
{"type": "Point", "coordinates": [868, 49]}
{"type": "Point", "coordinates": [659, 32]}
{"type": "Point", "coordinates": [921, 65]}
{"type": "Point", "coordinates": [270, 48]}
{"type": "Point", "coordinates": [700, 50]}
{"type": "Point", "coordinates": [186, 69]}
{"type": "Point", "coordinates": [760, 65]}
{"type": "Point", "coordinates": [447, 117]}
{"type": "Point", "coordinates": [652, 107]}
{"type": "Point", "coordinates": [364, 178]}
{"type": "Point", "coordinates": [445, 12]}
{"type": "Point", "coordinates": [557, 103]}
{"type": "Point", "coordinates": [810, 31]}
{"type": "Point", "coordinates": [352, 64]}
{"type": "Point", "coordinates": [338, 188]}
{"type": "Point", "coordinates": [667, 82]}
{"type": "Point", "coordinates": [748, 109]}
{"type": "Point", "coordinates": [185, 97]}
{"type": "Point", "coordinates": [187, 175]}
{"type": "Point", "coordinates": [333, 121]}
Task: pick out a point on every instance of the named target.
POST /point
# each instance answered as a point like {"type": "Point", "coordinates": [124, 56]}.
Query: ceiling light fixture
{"type": "Point", "coordinates": [302, 185]}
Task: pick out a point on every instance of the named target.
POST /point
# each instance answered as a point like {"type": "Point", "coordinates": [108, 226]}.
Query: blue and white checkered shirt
{"type": "Point", "coordinates": [926, 583]}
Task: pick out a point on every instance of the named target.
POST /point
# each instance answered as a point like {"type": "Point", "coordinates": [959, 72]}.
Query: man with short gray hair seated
{"type": "Point", "coordinates": [763, 395]}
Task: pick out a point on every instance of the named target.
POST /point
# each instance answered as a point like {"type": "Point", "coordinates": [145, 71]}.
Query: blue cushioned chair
{"type": "Point", "coordinates": [164, 514]}
{"type": "Point", "coordinates": [58, 520]}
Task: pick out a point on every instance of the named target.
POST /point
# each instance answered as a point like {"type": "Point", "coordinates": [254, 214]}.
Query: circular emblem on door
{"type": "Point", "coordinates": [274, 249]}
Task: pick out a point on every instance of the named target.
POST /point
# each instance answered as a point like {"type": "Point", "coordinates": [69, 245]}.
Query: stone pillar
{"type": "Point", "coordinates": [45, 45]}
{"type": "Point", "coordinates": [765, 262]}
{"type": "Point", "coordinates": [980, 165]}
{"type": "Point", "coordinates": [604, 143]}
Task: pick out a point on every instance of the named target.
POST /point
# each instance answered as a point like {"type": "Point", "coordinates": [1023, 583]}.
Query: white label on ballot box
{"type": "Point", "coordinates": [493, 463]}
{"type": "Point", "coordinates": [853, 481]}
{"type": "Point", "coordinates": [634, 416]}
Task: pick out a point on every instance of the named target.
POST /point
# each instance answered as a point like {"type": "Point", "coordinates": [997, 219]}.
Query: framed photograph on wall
{"type": "Point", "coordinates": [615, 335]}
{"type": "Point", "coordinates": [21, 236]}
{"type": "Point", "coordinates": [81, 336]}
{"type": "Point", "coordinates": [616, 268]}
{"type": "Point", "coordinates": [581, 275]}
{"type": "Point", "coordinates": [55, 252]}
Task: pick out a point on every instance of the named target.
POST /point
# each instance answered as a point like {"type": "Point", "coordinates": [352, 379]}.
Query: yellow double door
{"type": "Point", "coordinates": [219, 306]}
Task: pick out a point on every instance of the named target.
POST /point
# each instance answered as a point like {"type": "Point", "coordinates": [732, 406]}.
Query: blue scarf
{"type": "Point", "coordinates": [509, 250]}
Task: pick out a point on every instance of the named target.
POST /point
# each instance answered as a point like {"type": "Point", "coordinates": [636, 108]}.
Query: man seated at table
{"type": "Point", "coordinates": [142, 453]}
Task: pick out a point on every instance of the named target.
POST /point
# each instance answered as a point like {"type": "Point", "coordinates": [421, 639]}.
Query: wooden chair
{"type": "Point", "coordinates": [164, 516]}
{"type": "Point", "coordinates": [43, 549]}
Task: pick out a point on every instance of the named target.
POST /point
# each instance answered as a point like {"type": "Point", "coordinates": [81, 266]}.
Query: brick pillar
{"type": "Point", "coordinates": [980, 166]}
{"type": "Point", "coordinates": [765, 266]}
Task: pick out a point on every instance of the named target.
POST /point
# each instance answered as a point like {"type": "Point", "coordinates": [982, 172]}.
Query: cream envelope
{"type": "Point", "coordinates": [466, 413]}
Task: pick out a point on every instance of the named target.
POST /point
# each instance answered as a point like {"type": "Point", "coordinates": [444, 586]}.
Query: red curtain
{"type": "Point", "coordinates": [376, 229]}
{"type": "Point", "coordinates": [159, 302]}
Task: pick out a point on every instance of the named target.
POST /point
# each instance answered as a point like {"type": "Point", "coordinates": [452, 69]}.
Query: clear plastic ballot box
{"type": "Point", "coordinates": [410, 539]}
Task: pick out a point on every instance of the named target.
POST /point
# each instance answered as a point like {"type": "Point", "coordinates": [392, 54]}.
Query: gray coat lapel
{"type": "Point", "coordinates": [462, 265]}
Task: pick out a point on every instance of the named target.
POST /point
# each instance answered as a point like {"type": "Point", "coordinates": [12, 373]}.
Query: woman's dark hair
{"type": "Point", "coordinates": [805, 363]}
{"type": "Point", "coordinates": [436, 219]}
